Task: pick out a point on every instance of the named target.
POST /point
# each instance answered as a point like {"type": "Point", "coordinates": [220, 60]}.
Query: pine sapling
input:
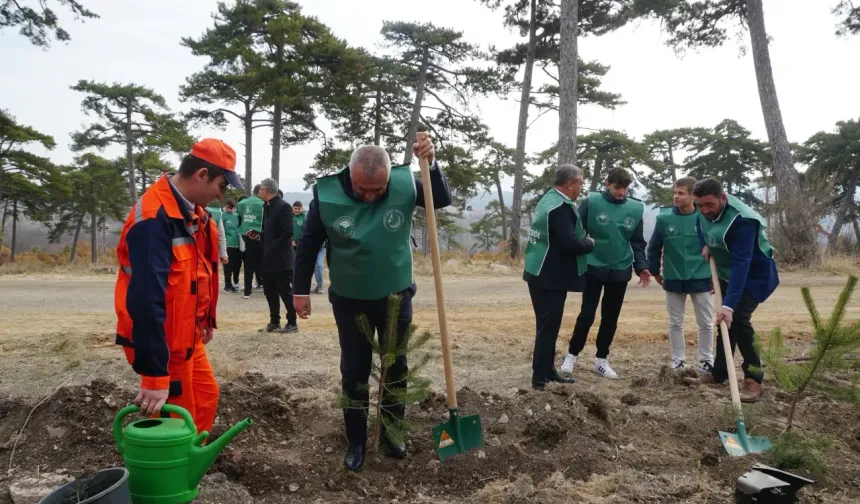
{"type": "Point", "coordinates": [391, 396]}
{"type": "Point", "coordinates": [836, 347]}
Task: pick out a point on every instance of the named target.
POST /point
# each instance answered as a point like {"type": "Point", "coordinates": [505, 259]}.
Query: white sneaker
{"type": "Point", "coordinates": [678, 365]}
{"type": "Point", "coordinates": [602, 368]}
{"type": "Point", "coordinates": [568, 365]}
{"type": "Point", "coordinates": [246, 297]}
{"type": "Point", "coordinates": [706, 367]}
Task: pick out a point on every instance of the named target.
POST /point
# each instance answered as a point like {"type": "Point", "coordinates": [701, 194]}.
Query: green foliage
{"type": "Point", "coordinates": [792, 451]}
{"type": "Point", "coordinates": [836, 347]}
{"type": "Point", "coordinates": [37, 22]}
{"type": "Point", "coordinates": [849, 23]}
{"type": "Point", "coordinates": [486, 230]}
{"type": "Point", "coordinates": [15, 140]}
{"type": "Point", "coordinates": [448, 230]}
{"type": "Point", "coordinates": [694, 23]}
{"type": "Point", "coordinates": [328, 161]}
{"type": "Point", "coordinates": [385, 353]}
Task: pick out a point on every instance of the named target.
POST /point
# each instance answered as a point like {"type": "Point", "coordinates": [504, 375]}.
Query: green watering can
{"type": "Point", "coordinates": [164, 457]}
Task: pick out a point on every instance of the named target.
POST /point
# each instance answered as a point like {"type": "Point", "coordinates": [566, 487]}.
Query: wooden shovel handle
{"type": "Point", "coordinates": [430, 222]}
{"type": "Point", "coordinates": [727, 345]}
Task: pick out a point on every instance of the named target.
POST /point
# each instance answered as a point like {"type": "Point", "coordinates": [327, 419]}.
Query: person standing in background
{"type": "Point", "coordinates": [250, 227]}
{"type": "Point", "coordinates": [230, 224]}
{"type": "Point", "coordinates": [278, 257]}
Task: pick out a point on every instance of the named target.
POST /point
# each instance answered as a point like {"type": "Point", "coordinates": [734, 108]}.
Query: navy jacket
{"type": "Point", "coordinates": [314, 233]}
{"type": "Point", "coordinates": [559, 267]}
{"type": "Point", "coordinates": [637, 242]}
{"type": "Point", "coordinates": [751, 269]}
{"type": "Point", "coordinates": [655, 253]}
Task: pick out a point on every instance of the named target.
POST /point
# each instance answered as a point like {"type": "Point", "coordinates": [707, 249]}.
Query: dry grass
{"type": "Point", "coordinates": [841, 264]}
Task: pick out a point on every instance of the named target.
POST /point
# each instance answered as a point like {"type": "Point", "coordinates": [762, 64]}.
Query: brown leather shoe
{"type": "Point", "coordinates": [701, 380]}
{"type": "Point", "coordinates": [751, 391]}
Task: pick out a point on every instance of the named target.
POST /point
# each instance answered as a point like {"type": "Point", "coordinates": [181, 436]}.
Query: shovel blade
{"type": "Point", "coordinates": [458, 435]}
{"type": "Point", "coordinates": [737, 447]}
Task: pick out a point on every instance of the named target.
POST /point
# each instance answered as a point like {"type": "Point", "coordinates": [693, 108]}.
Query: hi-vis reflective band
{"type": "Point", "coordinates": [127, 270]}
{"type": "Point", "coordinates": [138, 212]}
{"type": "Point", "coordinates": [178, 242]}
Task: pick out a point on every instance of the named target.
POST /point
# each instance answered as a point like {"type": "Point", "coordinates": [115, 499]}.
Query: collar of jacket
{"type": "Point", "coordinates": [610, 198]}
{"type": "Point", "coordinates": [172, 201]}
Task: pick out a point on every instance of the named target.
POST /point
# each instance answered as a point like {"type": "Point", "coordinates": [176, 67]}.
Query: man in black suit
{"type": "Point", "coordinates": [555, 262]}
{"type": "Point", "coordinates": [277, 261]}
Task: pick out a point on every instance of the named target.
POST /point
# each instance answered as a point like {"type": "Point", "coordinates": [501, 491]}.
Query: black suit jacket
{"type": "Point", "coordinates": [277, 236]}
{"type": "Point", "coordinates": [559, 268]}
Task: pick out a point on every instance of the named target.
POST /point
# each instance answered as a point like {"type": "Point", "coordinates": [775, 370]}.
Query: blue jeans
{"type": "Point", "coordinates": [318, 269]}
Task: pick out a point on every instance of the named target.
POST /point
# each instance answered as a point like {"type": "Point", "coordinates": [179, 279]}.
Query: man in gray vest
{"type": "Point", "coordinates": [365, 212]}
{"type": "Point", "coordinates": [675, 243]}
{"type": "Point", "coordinates": [555, 264]}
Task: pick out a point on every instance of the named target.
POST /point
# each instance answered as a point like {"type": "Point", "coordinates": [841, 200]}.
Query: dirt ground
{"type": "Point", "coordinates": [643, 438]}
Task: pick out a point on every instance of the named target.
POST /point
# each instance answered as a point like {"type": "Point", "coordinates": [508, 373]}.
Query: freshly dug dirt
{"type": "Point", "coordinates": [559, 445]}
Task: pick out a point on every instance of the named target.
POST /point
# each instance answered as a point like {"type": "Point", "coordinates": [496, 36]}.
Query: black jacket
{"type": "Point", "coordinates": [314, 233]}
{"type": "Point", "coordinates": [277, 236]}
{"type": "Point", "coordinates": [637, 243]}
{"type": "Point", "coordinates": [559, 268]}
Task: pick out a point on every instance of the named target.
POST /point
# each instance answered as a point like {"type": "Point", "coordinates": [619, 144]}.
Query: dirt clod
{"type": "Point", "coordinates": [595, 405]}
{"type": "Point", "coordinates": [710, 459]}
{"type": "Point", "coordinates": [630, 399]}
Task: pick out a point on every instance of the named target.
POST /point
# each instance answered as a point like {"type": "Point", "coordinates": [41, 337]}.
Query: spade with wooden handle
{"type": "Point", "coordinates": [458, 434]}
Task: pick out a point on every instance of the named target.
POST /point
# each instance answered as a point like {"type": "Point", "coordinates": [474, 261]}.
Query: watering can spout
{"type": "Point", "coordinates": [202, 457]}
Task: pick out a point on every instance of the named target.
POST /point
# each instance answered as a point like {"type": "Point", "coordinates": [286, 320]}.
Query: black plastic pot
{"type": "Point", "coordinates": [106, 487]}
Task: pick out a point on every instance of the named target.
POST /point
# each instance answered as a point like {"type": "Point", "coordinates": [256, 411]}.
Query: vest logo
{"type": "Point", "coordinates": [629, 223]}
{"type": "Point", "coordinates": [393, 220]}
{"type": "Point", "coordinates": [712, 240]}
{"type": "Point", "coordinates": [671, 230]}
{"type": "Point", "coordinates": [603, 218]}
{"type": "Point", "coordinates": [345, 226]}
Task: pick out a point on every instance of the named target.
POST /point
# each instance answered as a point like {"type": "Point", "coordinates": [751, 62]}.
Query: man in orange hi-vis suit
{"type": "Point", "coordinates": [167, 286]}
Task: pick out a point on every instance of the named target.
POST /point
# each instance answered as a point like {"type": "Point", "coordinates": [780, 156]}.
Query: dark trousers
{"type": "Point", "coordinates": [276, 287]}
{"type": "Point", "coordinates": [356, 355]}
{"type": "Point", "coordinates": [610, 309]}
{"type": "Point", "coordinates": [741, 335]}
{"type": "Point", "coordinates": [549, 310]}
{"type": "Point", "coordinates": [253, 256]}
{"type": "Point", "coordinates": [231, 269]}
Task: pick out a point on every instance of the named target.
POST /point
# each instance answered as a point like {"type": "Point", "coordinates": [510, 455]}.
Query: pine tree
{"type": "Point", "coordinates": [38, 21]}
{"type": "Point", "coordinates": [385, 353]}
{"type": "Point", "coordinates": [836, 347]}
{"type": "Point", "coordinates": [849, 23]}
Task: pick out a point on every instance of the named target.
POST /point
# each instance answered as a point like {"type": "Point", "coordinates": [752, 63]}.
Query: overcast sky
{"type": "Point", "coordinates": [137, 41]}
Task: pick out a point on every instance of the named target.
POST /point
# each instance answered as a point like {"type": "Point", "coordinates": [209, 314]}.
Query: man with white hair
{"type": "Point", "coordinates": [365, 212]}
{"type": "Point", "coordinates": [277, 261]}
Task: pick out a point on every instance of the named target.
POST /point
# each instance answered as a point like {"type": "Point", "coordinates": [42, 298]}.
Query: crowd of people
{"type": "Point", "coordinates": [359, 219]}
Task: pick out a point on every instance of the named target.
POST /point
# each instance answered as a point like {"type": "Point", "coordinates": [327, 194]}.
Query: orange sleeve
{"type": "Point", "coordinates": [155, 382]}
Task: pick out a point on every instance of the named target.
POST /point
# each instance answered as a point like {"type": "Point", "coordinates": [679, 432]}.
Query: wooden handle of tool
{"type": "Point", "coordinates": [727, 345]}
{"type": "Point", "coordinates": [430, 222]}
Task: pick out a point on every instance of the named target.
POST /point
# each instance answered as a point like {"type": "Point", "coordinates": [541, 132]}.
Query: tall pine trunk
{"type": "Point", "coordinates": [74, 250]}
{"type": "Point", "coordinates": [598, 172]}
{"type": "Point", "coordinates": [568, 82]}
{"type": "Point", "coordinates": [796, 237]}
{"type": "Point", "coordinates": [132, 185]}
{"type": "Point", "coordinates": [94, 238]}
{"type": "Point", "coordinates": [14, 231]}
{"type": "Point", "coordinates": [249, 140]}
{"type": "Point", "coordinates": [3, 220]}
{"type": "Point", "coordinates": [522, 128]}
{"type": "Point", "coordinates": [502, 208]}
{"type": "Point", "coordinates": [856, 222]}
{"type": "Point", "coordinates": [416, 108]}
{"type": "Point", "coordinates": [277, 125]}
{"type": "Point", "coordinates": [843, 212]}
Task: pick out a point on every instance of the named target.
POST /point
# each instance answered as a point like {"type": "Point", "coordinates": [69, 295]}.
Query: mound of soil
{"type": "Point", "coordinates": [661, 446]}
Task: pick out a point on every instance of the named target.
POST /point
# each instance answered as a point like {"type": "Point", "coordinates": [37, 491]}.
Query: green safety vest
{"type": "Point", "coordinates": [231, 228]}
{"type": "Point", "coordinates": [216, 213]}
{"type": "Point", "coordinates": [251, 210]}
{"type": "Point", "coordinates": [715, 233]}
{"type": "Point", "coordinates": [298, 225]}
{"type": "Point", "coordinates": [370, 250]}
{"type": "Point", "coordinates": [611, 225]}
{"type": "Point", "coordinates": [682, 254]}
{"type": "Point", "coordinates": [539, 242]}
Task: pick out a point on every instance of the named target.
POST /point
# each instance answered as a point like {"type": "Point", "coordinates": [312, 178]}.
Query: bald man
{"type": "Point", "coordinates": [365, 213]}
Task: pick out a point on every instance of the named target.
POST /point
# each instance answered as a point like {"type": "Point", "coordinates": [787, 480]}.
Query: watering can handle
{"type": "Point", "coordinates": [167, 408]}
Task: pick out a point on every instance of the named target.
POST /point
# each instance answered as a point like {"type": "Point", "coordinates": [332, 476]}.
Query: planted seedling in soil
{"type": "Point", "coordinates": [391, 395]}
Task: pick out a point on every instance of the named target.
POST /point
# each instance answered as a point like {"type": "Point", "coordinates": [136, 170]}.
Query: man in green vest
{"type": "Point", "coordinates": [675, 243]}
{"type": "Point", "coordinates": [555, 264]}
{"type": "Point", "coordinates": [614, 220]}
{"type": "Point", "coordinates": [299, 218]}
{"type": "Point", "coordinates": [735, 235]}
{"type": "Point", "coordinates": [230, 222]}
{"type": "Point", "coordinates": [365, 211]}
{"type": "Point", "coordinates": [250, 227]}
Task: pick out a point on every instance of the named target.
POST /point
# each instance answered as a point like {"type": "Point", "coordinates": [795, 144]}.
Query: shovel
{"type": "Point", "coordinates": [740, 444]}
{"type": "Point", "coordinates": [458, 434]}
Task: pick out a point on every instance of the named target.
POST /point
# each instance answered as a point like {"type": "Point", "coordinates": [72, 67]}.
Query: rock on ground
{"type": "Point", "coordinates": [32, 489]}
